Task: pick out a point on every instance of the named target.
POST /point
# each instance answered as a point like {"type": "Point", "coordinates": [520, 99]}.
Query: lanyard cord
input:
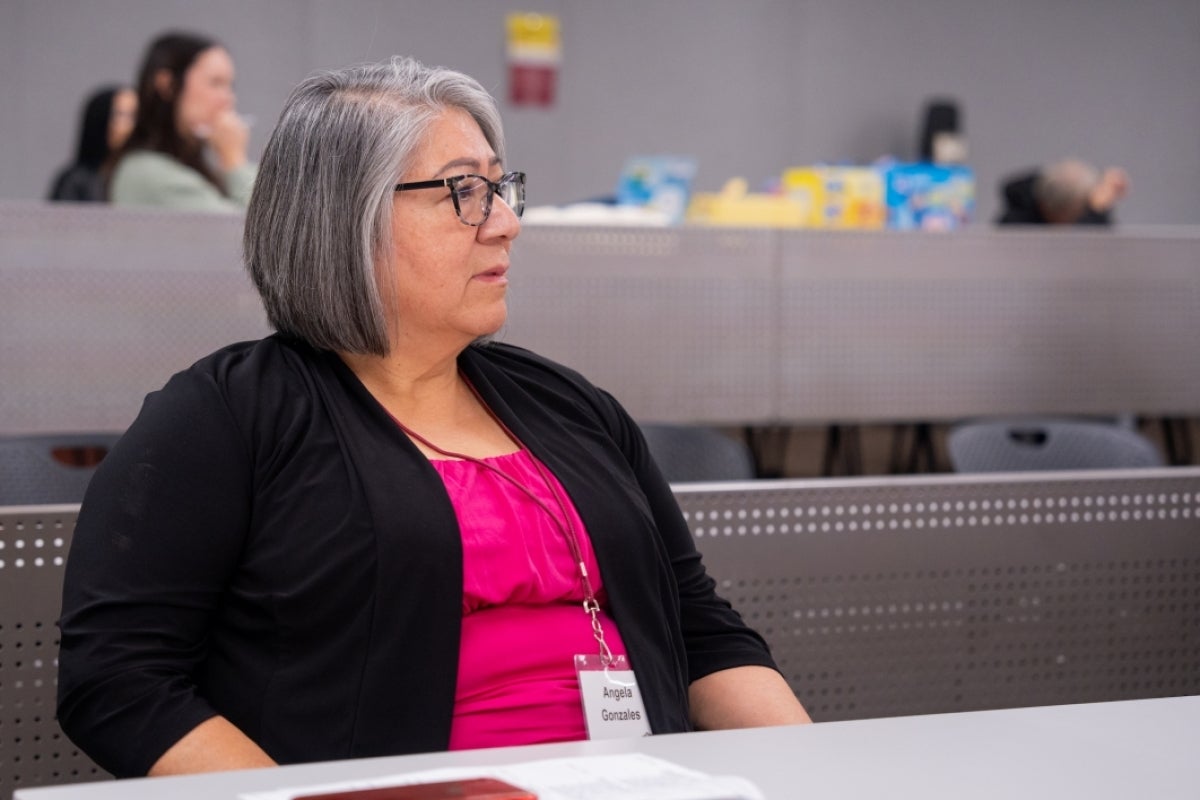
{"type": "Point", "coordinates": [562, 521]}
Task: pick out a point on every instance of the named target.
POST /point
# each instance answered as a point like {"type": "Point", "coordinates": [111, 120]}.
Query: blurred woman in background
{"type": "Point", "coordinates": [107, 120]}
{"type": "Point", "coordinates": [187, 150]}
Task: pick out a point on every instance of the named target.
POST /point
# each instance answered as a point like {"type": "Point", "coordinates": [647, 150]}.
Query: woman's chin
{"type": "Point", "coordinates": [493, 327]}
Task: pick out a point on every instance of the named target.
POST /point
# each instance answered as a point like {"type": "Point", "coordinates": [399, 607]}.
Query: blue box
{"type": "Point", "coordinates": [663, 183]}
{"type": "Point", "coordinates": [928, 197]}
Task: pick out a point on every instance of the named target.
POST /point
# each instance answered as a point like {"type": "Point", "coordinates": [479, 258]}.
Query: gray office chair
{"type": "Point", "coordinates": [1018, 445]}
{"type": "Point", "coordinates": [41, 469]}
{"type": "Point", "coordinates": [687, 453]}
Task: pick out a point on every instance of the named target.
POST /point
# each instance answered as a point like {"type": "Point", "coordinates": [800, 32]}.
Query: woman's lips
{"type": "Point", "coordinates": [494, 275]}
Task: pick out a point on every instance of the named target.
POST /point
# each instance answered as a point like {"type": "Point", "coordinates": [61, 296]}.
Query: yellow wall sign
{"type": "Point", "coordinates": [534, 51]}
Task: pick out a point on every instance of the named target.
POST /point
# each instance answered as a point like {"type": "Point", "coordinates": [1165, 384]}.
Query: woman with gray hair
{"type": "Point", "coordinates": [376, 531]}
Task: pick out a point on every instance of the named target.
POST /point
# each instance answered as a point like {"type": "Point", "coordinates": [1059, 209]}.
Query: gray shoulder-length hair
{"type": "Point", "coordinates": [318, 236]}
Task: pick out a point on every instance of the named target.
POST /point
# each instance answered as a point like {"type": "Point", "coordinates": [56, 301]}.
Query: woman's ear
{"type": "Point", "coordinates": [164, 84]}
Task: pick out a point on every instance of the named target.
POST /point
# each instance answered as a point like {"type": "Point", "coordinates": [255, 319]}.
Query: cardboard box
{"type": "Point", "coordinates": [736, 206]}
{"type": "Point", "coordinates": [928, 197]}
{"type": "Point", "coordinates": [663, 183]}
{"type": "Point", "coordinates": [837, 197]}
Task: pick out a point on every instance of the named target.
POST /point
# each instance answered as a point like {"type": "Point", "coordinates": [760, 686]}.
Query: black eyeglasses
{"type": "Point", "coordinates": [473, 194]}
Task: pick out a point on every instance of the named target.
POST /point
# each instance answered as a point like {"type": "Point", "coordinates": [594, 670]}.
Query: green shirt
{"type": "Point", "coordinates": [147, 178]}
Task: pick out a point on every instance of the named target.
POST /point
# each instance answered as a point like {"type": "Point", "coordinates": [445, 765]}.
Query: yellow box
{"type": "Point", "coordinates": [837, 197]}
{"type": "Point", "coordinates": [735, 206]}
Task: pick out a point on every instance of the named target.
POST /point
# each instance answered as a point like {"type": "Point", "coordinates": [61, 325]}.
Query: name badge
{"type": "Point", "coordinates": [612, 704]}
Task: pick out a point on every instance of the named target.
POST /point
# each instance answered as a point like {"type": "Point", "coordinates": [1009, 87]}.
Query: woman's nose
{"type": "Point", "coordinates": [502, 221]}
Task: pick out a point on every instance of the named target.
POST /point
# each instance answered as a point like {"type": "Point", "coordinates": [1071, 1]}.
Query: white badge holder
{"type": "Point", "coordinates": [612, 703]}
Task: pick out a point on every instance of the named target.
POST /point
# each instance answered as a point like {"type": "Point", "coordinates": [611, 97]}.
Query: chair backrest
{"type": "Point", "coordinates": [687, 453]}
{"type": "Point", "coordinates": [50, 468]}
{"type": "Point", "coordinates": [1015, 445]}
{"type": "Point", "coordinates": [34, 541]}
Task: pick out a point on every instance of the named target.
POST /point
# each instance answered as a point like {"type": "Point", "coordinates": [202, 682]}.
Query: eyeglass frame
{"type": "Point", "coordinates": [492, 186]}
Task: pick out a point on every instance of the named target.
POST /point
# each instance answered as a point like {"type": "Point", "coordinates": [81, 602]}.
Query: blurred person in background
{"type": "Point", "coordinates": [188, 147]}
{"type": "Point", "coordinates": [108, 118]}
{"type": "Point", "coordinates": [1067, 192]}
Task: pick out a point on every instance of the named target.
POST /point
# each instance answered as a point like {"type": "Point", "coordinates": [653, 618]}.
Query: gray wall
{"type": "Point", "coordinates": [748, 87]}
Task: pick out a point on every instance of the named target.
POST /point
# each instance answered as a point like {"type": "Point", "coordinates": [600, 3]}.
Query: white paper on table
{"type": "Point", "coordinates": [629, 776]}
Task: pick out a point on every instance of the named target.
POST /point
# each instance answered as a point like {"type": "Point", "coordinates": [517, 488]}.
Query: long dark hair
{"type": "Point", "coordinates": [155, 128]}
{"type": "Point", "coordinates": [93, 128]}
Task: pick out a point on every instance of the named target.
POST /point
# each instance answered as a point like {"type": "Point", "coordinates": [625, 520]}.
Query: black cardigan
{"type": "Point", "coordinates": [264, 543]}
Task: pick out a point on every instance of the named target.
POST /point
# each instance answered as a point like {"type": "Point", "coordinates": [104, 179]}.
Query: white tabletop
{"type": "Point", "coordinates": [1141, 748]}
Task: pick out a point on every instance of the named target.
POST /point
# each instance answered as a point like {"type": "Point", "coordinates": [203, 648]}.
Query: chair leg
{"type": "Point", "coordinates": [843, 453]}
{"type": "Point", "coordinates": [758, 440]}
{"type": "Point", "coordinates": [923, 449]}
{"type": "Point", "coordinates": [920, 451]}
{"type": "Point", "coordinates": [1177, 437]}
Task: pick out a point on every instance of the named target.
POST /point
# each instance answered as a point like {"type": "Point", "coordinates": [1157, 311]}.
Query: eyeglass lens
{"type": "Point", "coordinates": [473, 197]}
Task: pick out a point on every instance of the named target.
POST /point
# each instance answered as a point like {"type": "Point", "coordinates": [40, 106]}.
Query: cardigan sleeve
{"type": "Point", "coordinates": [158, 536]}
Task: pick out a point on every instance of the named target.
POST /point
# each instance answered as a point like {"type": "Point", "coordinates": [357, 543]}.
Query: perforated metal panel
{"type": "Point", "coordinates": [33, 750]}
{"type": "Point", "coordinates": [908, 596]}
{"type": "Point", "coordinates": [987, 323]}
{"type": "Point", "coordinates": [679, 324]}
{"type": "Point", "coordinates": [99, 306]}
{"type": "Point", "coordinates": [879, 597]}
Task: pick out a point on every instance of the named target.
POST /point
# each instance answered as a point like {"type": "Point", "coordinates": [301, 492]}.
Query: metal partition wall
{"type": "Point", "coordinates": [678, 324]}
{"type": "Point", "coordinates": [879, 597]}
{"type": "Point", "coordinates": [99, 306]}
{"type": "Point", "coordinates": [979, 323]}
{"type": "Point", "coordinates": [34, 541]}
{"type": "Point", "coordinates": [921, 595]}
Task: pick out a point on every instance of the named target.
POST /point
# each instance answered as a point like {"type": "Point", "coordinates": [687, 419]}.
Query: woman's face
{"type": "Point", "coordinates": [121, 117]}
{"type": "Point", "coordinates": [450, 279]}
{"type": "Point", "coordinates": [207, 92]}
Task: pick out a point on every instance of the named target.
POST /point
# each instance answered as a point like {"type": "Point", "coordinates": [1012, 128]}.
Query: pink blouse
{"type": "Point", "coordinates": [523, 618]}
